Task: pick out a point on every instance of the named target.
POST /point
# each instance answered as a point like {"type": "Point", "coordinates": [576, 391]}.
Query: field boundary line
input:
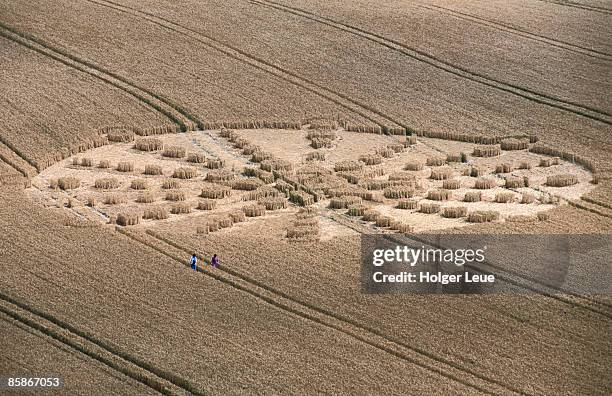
{"type": "Point", "coordinates": [162, 382]}
{"type": "Point", "coordinates": [332, 320]}
{"type": "Point", "coordinates": [418, 55]}
{"type": "Point", "coordinates": [521, 32]}
{"type": "Point", "coordinates": [342, 100]}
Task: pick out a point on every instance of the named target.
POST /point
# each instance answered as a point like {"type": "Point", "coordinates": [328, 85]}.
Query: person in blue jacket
{"type": "Point", "coordinates": [194, 262]}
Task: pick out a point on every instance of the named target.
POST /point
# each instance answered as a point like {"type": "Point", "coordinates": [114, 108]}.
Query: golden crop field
{"type": "Point", "coordinates": [211, 327]}
{"type": "Point", "coordinates": [50, 109]}
{"type": "Point", "coordinates": [81, 375]}
{"type": "Point", "coordinates": [281, 135]}
{"type": "Point", "coordinates": [443, 325]}
{"type": "Point", "coordinates": [363, 69]}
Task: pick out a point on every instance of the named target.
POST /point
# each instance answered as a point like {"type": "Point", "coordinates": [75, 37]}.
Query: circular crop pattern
{"type": "Point", "coordinates": [384, 182]}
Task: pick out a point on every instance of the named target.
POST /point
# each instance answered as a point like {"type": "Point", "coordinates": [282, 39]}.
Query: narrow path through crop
{"type": "Point", "coordinates": [83, 342]}
{"type": "Point", "coordinates": [369, 113]}
{"type": "Point", "coordinates": [172, 111]}
{"type": "Point", "coordinates": [169, 383]}
{"type": "Point", "coordinates": [24, 168]}
{"type": "Point", "coordinates": [413, 53]}
{"type": "Point", "coordinates": [503, 274]}
{"type": "Point", "coordinates": [597, 202]}
{"type": "Point", "coordinates": [592, 206]}
{"type": "Point", "coordinates": [371, 336]}
{"type": "Point", "coordinates": [521, 32]}
{"type": "Point", "coordinates": [573, 4]}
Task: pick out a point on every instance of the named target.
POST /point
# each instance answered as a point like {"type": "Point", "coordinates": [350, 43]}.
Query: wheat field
{"type": "Point", "coordinates": [277, 134]}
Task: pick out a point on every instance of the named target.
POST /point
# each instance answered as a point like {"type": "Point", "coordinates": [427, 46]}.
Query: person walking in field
{"type": "Point", "coordinates": [215, 261]}
{"type": "Point", "coordinates": [194, 262]}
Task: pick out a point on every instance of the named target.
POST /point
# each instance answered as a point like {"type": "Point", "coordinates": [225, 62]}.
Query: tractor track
{"type": "Point", "coordinates": [418, 55]}
{"type": "Point", "coordinates": [503, 274]}
{"type": "Point", "coordinates": [507, 275]}
{"type": "Point", "coordinates": [573, 4]}
{"type": "Point", "coordinates": [329, 319]}
{"type": "Point", "coordinates": [369, 113]}
{"type": "Point", "coordinates": [524, 281]}
{"type": "Point", "coordinates": [597, 202]}
{"type": "Point", "coordinates": [364, 229]}
{"type": "Point", "coordinates": [11, 163]}
{"type": "Point", "coordinates": [592, 206]}
{"type": "Point", "coordinates": [10, 155]}
{"type": "Point", "coordinates": [159, 379]}
{"type": "Point", "coordinates": [337, 97]}
{"type": "Point", "coordinates": [17, 152]}
{"type": "Point", "coordinates": [99, 350]}
{"type": "Point", "coordinates": [521, 32]}
{"type": "Point", "coordinates": [175, 113]}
